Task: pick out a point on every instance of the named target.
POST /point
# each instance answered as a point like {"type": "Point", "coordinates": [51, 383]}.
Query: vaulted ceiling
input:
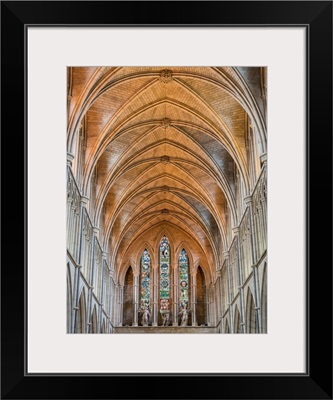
{"type": "Point", "coordinates": [163, 145]}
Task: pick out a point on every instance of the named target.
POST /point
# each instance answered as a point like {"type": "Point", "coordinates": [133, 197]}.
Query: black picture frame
{"type": "Point", "coordinates": [316, 383]}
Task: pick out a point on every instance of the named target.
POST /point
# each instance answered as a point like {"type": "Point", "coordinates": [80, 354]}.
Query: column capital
{"type": "Point", "coordinates": [248, 200]}
{"type": "Point", "coordinates": [226, 254]}
{"type": "Point", "coordinates": [235, 230]}
{"type": "Point", "coordinates": [84, 200]}
{"type": "Point", "coordinates": [263, 158]}
{"type": "Point", "coordinates": [252, 125]}
{"type": "Point", "coordinates": [95, 230]}
{"type": "Point", "coordinates": [70, 158]}
{"type": "Point", "coordinates": [104, 255]}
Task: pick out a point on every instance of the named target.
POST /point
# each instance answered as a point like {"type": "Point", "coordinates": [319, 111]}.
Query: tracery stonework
{"type": "Point", "coordinates": [166, 76]}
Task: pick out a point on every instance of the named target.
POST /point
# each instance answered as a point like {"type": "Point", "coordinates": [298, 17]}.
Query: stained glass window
{"type": "Point", "coordinates": [145, 280]}
{"type": "Point", "coordinates": [183, 279]}
{"type": "Point", "coordinates": [164, 274]}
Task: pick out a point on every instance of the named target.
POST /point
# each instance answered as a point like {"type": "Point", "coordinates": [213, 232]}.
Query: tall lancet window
{"type": "Point", "coordinates": [183, 279]}
{"type": "Point", "coordinates": [164, 274]}
{"type": "Point", "coordinates": [145, 280]}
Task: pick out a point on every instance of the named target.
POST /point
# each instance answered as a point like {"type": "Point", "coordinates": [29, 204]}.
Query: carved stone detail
{"type": "Point", "coordinates": [166, 76]}
{"type": "Point", "coordinates": [165, 123]}
{"type": "Point", "coordinates": [165, 159]}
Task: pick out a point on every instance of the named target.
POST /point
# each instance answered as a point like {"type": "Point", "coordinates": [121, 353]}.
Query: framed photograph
{"type": "Point", "coordinates": [174, 162]}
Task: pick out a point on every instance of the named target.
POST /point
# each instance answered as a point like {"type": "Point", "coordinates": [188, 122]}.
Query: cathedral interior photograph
{"type": "Point", "coordinates": [166, 200]}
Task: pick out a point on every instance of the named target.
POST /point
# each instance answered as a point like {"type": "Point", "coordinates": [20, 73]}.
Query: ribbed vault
{"type": "Point", "coordinates": [163, 147]}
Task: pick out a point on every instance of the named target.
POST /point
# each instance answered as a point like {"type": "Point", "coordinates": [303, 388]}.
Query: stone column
{"type": "Point", "coordinates": [248, 202]}
{"type": "Point", "coordinates": [240, 284]}
{"type": "Point", "coordinates": [70, 230]}
{"type": "Point", "coordinates": [221, 295]}
{"type": "Point", "coordinates": [84, 201]}
{"type": "Point", "coordinates": [212, 310]}
{"type": "Point", "coordinates": [256, 302]}
{"type": "Point", "coordinates": [218, 297]}
{"type": "Point", "coordinates": [194, 298]}
{"type": "Point", "coordinates": [70, 213]}
{"type": "Point", "coordinates": [92, 277]}
{"type": "Point", "coordinates": [121, 304]}
{"type": "Point", "coordinates": [103, 294]}
{"type": "Point", "coordinates": [258, 231]}
{"type": "Point", "coordinates": [155, 296]}
{"type": "Point", "coordinates": [208, 307]}
{"type": "Point", "coordinates": [111, 298]}
{"type": "Point", "coordinates": [263, 159]}
{"type": "Point", "coordinates": [136, 277]}
{"type": "Point", "coordinates": [76, 291]}
{"type": "Point", "coordinates": [114, 311]}
{"type": "Point", "coordinates": [226, 256]}
{"type": "Point", "coordinates": [175, 310]}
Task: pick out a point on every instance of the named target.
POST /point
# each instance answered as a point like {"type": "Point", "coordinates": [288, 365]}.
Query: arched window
{"type": "Point", "coordinates": [145, 280]}
{"type": "Point", "coordinates": [183, 279]}
{"type": "Point", "coordinates": [164, 274]}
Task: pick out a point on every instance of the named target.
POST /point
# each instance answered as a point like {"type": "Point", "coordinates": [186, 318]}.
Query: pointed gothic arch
{"type": "Point", "coordinates": [103, 328]}
{"type": "Point", "coordinates": [94, 321]}
{"type": "Point", "coordinates": [81, 323]}
{"type": "Point", "coordinates": [237, 321]}
{"type": "Point", "coordinates": [128, 297]}
{"type": "Point", "coordinates": [169, 153]}
{"type": "Point", "coordinates": [251, 321]}
{"type": "Point", "coordinates": [201, 298]}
